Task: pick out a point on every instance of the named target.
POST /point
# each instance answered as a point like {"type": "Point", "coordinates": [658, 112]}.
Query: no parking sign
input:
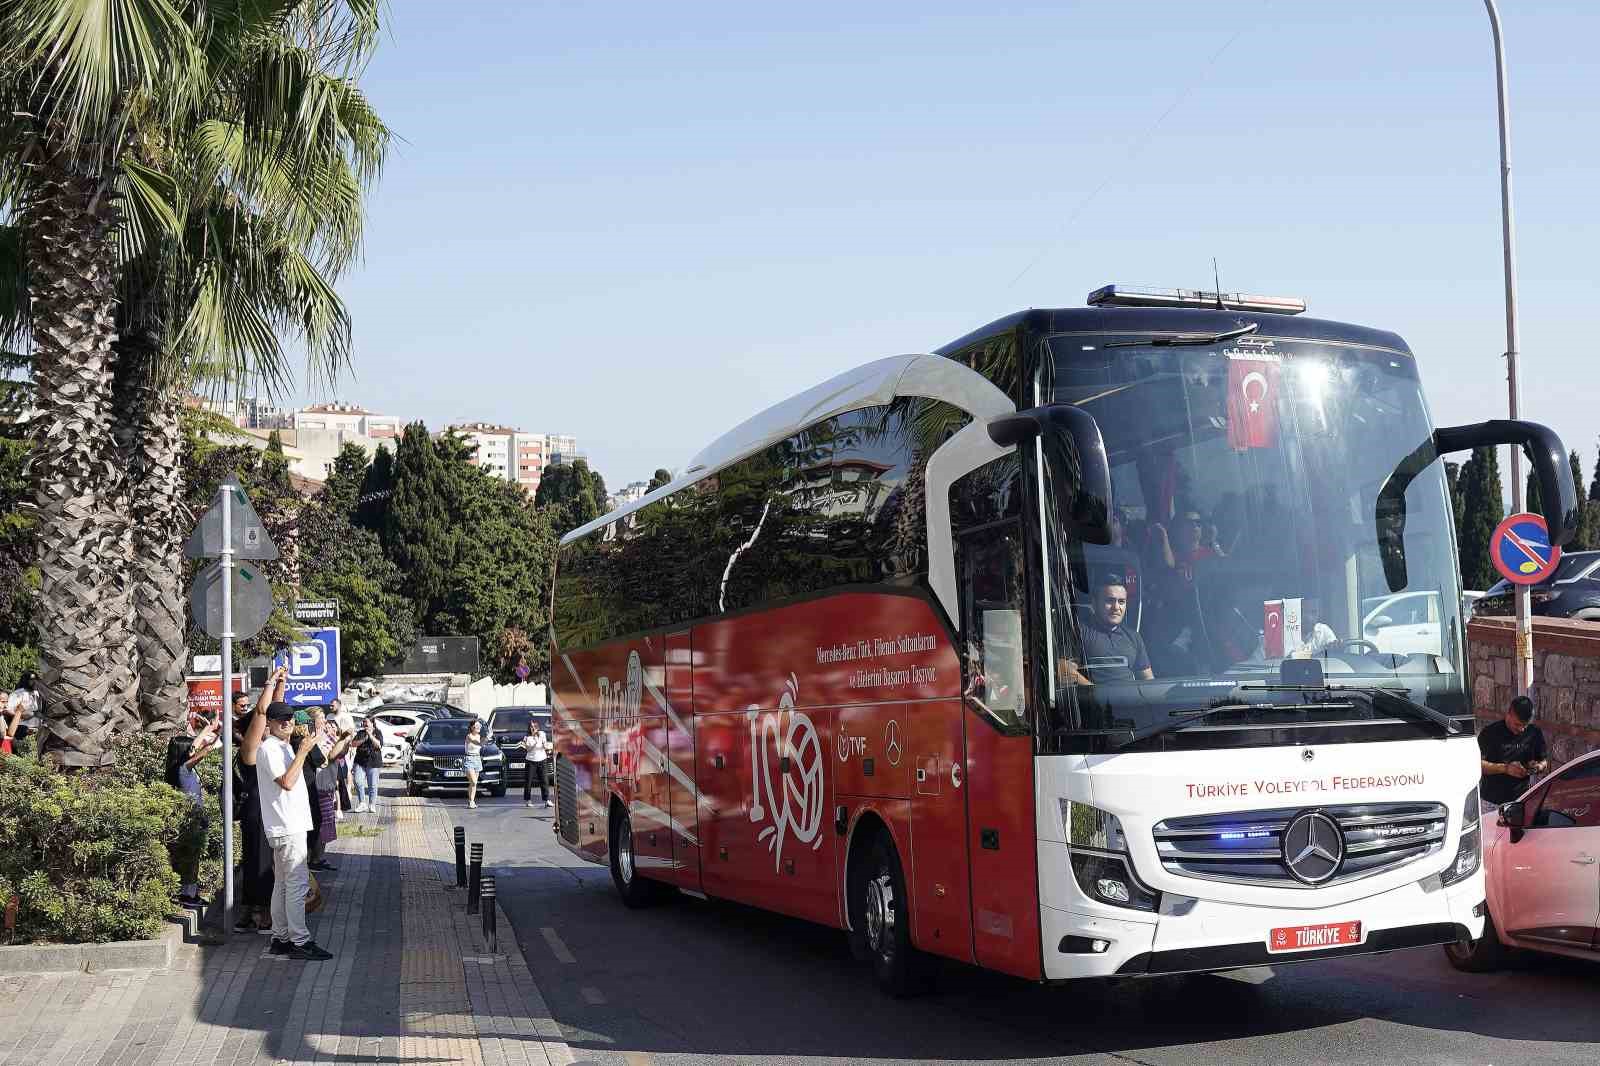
{"type": "Point", "coordinates": [1521, 549]}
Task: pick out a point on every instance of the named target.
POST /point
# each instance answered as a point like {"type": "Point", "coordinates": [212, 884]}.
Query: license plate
{"type": "Point", "coordinates": [518, 765]}
{"type": "Point", "coordinates": [455, 773]}
{"type": "Point", "coordinates": [1312, 937]}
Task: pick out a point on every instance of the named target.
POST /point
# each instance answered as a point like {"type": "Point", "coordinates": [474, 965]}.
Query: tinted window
{"type": "Point", "coordinates": [447, 729]}
{"type": "Point", "coordinates": [1572, 800]}
{"type": "Point", "coordinates": [839, 503]}
{"type": "Point", "coordinates": [509, 720]}
{"type": "Point", "coordinates": [989, 575]}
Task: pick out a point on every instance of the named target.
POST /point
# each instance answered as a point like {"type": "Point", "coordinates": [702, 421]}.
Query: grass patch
{"type": "Point", "coordinates": [360, 831]}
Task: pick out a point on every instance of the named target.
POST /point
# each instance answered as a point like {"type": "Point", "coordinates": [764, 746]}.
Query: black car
{"type": "Point", "coordinates": [508, 727]}
{"type": "Point", "coordinates": [429, 709]}
{"type": "Point", "coordinates": [437, 751]}
{"type": "Point", "coordinates": [1573, 591]}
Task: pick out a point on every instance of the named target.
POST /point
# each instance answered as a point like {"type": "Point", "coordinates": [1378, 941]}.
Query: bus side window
{"type": "Point", "coordinates": [987, 537]}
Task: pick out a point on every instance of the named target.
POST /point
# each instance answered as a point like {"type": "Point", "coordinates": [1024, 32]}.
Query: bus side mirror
{"type": "Point", "coordinates": [1073, 437]}
{"type": "Point", "coordinates": [1544, 449]}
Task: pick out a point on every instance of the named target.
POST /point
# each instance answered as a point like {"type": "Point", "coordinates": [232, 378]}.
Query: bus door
{"type": "Point", "coordinates": [649, 805]}
{"type": "Point", "coordinates": [683, 796]}
{"type": "Point", "coordinates": [985, 576]}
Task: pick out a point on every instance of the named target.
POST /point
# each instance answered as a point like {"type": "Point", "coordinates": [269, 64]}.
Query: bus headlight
{"type": "Point", "coordinates": [1098, 852]}
{"type": "Point", "coordinates": [1469, 851]}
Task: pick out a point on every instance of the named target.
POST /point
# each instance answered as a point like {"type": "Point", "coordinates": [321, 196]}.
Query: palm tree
{"type": "Point", "coordinates": [187, 178]}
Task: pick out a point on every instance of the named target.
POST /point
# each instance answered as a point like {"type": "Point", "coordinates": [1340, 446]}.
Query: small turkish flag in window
{"type": "Point", "coordinates": [1252, 403]}
{"type": "Point", "coordinates": [1272, 643]}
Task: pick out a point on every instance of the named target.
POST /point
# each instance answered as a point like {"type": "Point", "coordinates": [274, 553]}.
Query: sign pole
{"type": "Point", "coordinates": [1508, 242]}
{"type": "Point", "coordinates": [225, 718]}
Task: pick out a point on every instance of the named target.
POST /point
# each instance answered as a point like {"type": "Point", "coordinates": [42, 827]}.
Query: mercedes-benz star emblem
{"type": "Point", "coordinates": [891, 742]}
{"type": "Point", "coordinates": [1307, 755]}
{"type": "Point", "coordinates": [1313, 847]}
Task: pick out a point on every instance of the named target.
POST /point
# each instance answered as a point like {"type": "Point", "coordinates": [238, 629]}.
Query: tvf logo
{"type": "Point", "coordinates": [791, 799]}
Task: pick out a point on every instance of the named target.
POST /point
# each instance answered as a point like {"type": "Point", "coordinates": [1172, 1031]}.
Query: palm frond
{"type": "Point", "coordinates": [82, 61]}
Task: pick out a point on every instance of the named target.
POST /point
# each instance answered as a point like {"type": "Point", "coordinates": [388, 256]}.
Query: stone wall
{"type": "Point", "coordinates": [1566, 679]}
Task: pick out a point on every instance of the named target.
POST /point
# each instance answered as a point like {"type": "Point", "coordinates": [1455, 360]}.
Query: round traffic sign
{"type": "Point", "coordinates": [1521, 549]}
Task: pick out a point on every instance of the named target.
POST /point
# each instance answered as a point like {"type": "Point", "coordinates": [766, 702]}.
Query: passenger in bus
{"type": "Point", "coordinates": [1121, 651]}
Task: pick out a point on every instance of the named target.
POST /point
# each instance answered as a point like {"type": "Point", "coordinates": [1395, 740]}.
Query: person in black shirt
{"type": "Point", "coordinates": [1121, 650]}
{"type": "Point", "coordinates": [1512, 751]}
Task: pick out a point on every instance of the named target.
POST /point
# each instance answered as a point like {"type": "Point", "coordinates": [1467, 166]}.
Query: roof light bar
{"type": "Point", "coordinates": [1128, 296]}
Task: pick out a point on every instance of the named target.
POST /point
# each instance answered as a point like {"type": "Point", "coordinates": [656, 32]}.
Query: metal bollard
{"type": "Point", "coordinates": [461, 857]}
{"type": "Point", "coordinates": [474, 878]}
{"type": "Point", "coordinates": [487, 896]}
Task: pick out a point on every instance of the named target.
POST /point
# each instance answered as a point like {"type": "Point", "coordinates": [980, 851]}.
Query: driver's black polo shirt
{"type": "Point", "coordinates": [1103, 642]}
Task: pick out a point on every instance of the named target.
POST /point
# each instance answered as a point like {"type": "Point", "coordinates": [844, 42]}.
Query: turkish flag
{"type": "Point", "coordinates": [1252, 403]}
{"type": "Point", "coordinates": [1272, 629]}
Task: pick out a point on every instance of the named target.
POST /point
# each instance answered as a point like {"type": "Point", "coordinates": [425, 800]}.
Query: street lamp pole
{"type": "Point", "coordinates": [1508, 240]}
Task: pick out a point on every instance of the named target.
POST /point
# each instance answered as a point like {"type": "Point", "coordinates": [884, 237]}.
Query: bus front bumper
{"type": "Point", "coordinates": [1196, 935]}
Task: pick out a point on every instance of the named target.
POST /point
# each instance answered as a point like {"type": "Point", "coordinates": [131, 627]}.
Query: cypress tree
{"type": "Point", "coordinates": [1452, 478]}
{"type": "Point", "coordinates": [417, 532]}
{"type": "Point", "coordinates": [1532, 499]}
{"type": "Point", "coordinates": [1594, 486]}
{"type": "Point", "coordinates": [378, 479]}
{"type": "Point", "coordinates": [1482, 508]}
{"type": "Point", "coordinates": [1588, 535]}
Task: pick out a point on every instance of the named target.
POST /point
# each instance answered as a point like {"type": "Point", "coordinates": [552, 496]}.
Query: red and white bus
{"type": "Point", "coordinates": [1052, 652]}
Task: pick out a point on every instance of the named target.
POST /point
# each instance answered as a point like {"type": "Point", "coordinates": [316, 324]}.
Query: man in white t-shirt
{"type": "Point", "coordinates": [286, 817]}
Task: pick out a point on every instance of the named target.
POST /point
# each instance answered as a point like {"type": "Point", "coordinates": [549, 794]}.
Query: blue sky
{"type": "Point", "coordinates": [640, 223]}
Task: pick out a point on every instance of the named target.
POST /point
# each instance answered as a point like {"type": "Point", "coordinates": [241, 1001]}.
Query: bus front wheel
{"type": "Point", "coordinates": [880, 922]}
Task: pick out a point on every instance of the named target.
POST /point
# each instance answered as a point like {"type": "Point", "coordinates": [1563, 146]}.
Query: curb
{"type": "Point", "coordinates": [91, 958]}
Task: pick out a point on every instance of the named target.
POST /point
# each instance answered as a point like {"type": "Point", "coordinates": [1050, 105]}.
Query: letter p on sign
{"type": "Point", "coordinates": [305, 659]}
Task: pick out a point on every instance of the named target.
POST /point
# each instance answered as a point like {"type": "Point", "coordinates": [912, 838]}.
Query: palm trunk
{"type": "Point", "coordinates": [148, 436]}
{"type": "Point", "coordinates": [72, 286]}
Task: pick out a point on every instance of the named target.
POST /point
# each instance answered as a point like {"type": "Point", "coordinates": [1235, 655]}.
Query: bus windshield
{"type": "Point", "coordinates": [1244, 479]}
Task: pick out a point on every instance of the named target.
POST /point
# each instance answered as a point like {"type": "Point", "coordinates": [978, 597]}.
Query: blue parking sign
{"type": "Point", "coordinates": [313, 669]}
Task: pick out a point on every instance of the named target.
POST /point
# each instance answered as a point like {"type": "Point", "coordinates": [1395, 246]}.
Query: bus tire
{"type": "Point", "coordinates": [1478, 956]}
{"type": "Point", "coordinates": [634, 890]}
{"type": "Point", "coordinates": [881, 922]}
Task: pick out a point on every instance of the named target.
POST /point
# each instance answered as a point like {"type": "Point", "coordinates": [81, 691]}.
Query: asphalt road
{"type": "Point", "coordinates": [694, 981]}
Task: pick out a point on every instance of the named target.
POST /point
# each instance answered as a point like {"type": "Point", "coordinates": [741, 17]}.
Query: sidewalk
{"type": "Point", "coordinates": [411, 982]}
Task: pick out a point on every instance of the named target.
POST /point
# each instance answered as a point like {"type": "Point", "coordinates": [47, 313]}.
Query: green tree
{"type": "Point", "coordinates": [419, 535]}
{"type": "Point", "coordinates": [1532, 498]}
{"type": "Point", "coordinates": [19, 577]}
{"type": "Point", "coordinates": [342, 488]}
{"type": "Point", "coordinates": [501, 580]}
{"type": "Point", "coordinates": [1588, 535]}
{"type": "Point", "coordinates": [574, 494]}
{"type": "Point", "coordinates": [1452, 477]}
{"type": "Point", "coordinates": [1482, 510]}
{"type": "Point", "coordinates": [344, 562]}
{"type": "Point", "coordinates": [377, 488]}
{"type": "Point", "coordinates": [661, 477]}
{"type": "Point", "coordinates": [204, 165]}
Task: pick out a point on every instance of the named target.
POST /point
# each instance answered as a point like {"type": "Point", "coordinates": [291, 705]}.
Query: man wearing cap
{"type": "Point", "coordinates": [286, 816]}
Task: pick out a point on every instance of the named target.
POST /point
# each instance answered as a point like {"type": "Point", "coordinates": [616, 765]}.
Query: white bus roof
{"type": "Point", "coordinates": [870, 385]}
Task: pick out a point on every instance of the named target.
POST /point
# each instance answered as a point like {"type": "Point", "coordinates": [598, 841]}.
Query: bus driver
{"type": "Point", "coordinates": [1104, 638]}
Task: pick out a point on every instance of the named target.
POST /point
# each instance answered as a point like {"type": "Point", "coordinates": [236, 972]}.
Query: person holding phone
{"type": "Point", "coordinates": [473, 763]}
{"type": "Point", "coordinates": [369, 764]}
{"type": "Point", "coordinates": [286, 813]}
{"type": "Point", "coordinates": [183, 755]}
{"type": "Point", "coordinates": [536, 752]}
{"type": "Point", "coordinates": [256, 870]}
{"type": "Point", "coordinates": [1510, 752]}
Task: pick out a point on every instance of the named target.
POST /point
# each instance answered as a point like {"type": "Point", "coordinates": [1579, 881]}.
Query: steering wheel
{"type": "Point", "coordinates": [1359, 646]}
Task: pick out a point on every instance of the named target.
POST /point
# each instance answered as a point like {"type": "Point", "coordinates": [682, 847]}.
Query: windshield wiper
{"type": "Point", "coordinates": [1186, 340]}
{"type": "Point", "coordinates": [1379, 699]}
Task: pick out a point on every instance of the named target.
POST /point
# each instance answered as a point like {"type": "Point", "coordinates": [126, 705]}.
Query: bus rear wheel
{"type": "Point", "coordinates": [880, 922]}
{"type": "Point", "coordinates": [634, 890]}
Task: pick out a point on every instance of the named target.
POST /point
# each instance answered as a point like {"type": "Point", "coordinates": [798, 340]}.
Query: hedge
{"type": "Point", "coordinates": [90, 857]}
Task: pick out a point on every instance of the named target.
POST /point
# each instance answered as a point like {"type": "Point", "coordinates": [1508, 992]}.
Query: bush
{"type": "Point", "coordinates": [142, 760]}
{"type": "Point", "coordinates": [87, 857]}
